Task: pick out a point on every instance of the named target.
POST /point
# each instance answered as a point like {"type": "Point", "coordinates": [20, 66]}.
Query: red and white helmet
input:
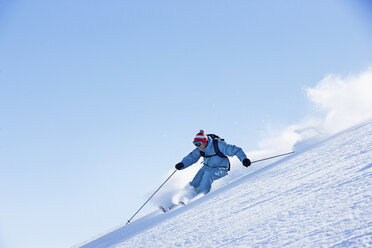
{"type": "Point", "coordinates": [200, 138]}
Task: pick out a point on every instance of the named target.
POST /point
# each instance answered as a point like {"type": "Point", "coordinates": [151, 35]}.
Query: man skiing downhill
{"type": "Point", "coordinates": [215, 166]}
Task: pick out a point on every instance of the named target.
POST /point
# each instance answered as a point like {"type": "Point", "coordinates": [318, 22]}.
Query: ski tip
{"type": "Point", "coordinates": [163, 209]}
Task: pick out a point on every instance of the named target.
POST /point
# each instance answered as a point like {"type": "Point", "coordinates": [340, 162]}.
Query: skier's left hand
{"type": "Point", "coordinates": [246, 162]}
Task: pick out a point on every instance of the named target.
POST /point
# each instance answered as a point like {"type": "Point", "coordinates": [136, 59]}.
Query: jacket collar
{"type": "Point", "coordinates": [209, 149]}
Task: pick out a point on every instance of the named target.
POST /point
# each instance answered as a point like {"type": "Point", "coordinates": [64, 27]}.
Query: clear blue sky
{"type": "Point", "coordinates": [99, 99]}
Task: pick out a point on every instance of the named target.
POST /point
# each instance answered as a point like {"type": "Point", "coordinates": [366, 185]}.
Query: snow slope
{"type": "Point", "coordinates": [321, 197]}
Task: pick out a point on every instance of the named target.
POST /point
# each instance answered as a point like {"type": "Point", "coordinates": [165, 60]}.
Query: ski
{"type": "Point", "coordinates": [165, 209]}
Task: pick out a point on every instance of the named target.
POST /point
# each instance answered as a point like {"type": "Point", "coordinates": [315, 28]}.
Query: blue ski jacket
{"type": "Point", "coordinates": [214, 161]}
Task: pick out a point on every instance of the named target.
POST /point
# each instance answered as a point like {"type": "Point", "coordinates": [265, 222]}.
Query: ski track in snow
{"type": "Point", "coordinates": [317, 198]}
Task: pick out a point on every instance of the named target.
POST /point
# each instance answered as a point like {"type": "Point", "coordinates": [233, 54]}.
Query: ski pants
{"type": "Point", "coordinates": [203, 180]}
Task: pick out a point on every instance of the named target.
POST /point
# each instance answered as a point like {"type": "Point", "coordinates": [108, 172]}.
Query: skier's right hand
{"type": "Point", "coordinates": [179, 166]}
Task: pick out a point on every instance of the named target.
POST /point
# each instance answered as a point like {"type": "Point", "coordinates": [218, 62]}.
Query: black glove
{"type": "Point", "coordinates": [246, 162]}
{"type": "Point", "coordinates": [179, 166]}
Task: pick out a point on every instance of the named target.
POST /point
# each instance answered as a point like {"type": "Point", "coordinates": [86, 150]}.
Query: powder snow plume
{"type": "Point", "coordinates": [337, 103]}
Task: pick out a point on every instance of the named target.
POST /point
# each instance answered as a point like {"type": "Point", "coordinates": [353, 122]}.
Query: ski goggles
{"type": "Point", "coordinates": [197, 143]}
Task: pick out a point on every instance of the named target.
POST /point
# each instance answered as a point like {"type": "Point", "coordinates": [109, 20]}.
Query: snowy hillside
{"type": "Point", "coordinates": [320, 197]}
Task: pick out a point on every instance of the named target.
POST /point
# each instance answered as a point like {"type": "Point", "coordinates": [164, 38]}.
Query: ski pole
{"type": "Point", "coordinates": [151, 196]}
{"type": "Point", "coordinates": [272, 157]}
{"type": "Point", "coordinates": [176, 171]}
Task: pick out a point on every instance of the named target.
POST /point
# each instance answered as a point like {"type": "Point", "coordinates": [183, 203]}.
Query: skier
{"type": "Point", "coordinates": [215, 166]}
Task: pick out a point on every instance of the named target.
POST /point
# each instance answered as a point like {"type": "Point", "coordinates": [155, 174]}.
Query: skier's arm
{"type": "Point", "coordinates": [192, 158]}
{"type": "Point", "coordinates": [231, 150]}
